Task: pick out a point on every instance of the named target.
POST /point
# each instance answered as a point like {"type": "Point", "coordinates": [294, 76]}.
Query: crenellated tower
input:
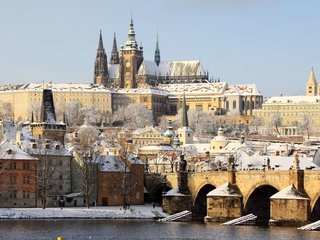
{"type": "Point", "coordinates": [131, 57]}
{"type": "Point", "coordinates": [101, 65]}
{"type": "Point", "coordinates": [157, 58]}
{"type": "Point", "coordinates": [114, 58]}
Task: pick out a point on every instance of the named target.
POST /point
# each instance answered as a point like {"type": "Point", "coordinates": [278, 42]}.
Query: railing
{"type": "Point", "coordinates": [311, 226]}
{"type": "Point", "coordinates": [176, 216]}
{"type": "Point", "coordinates": [245, 220]}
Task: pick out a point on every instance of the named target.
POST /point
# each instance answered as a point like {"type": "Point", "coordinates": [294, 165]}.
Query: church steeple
{"type": "Point", "coordinates": [157, 52]}
{"type": "Point", "coordinates": [312, 85]}
{"type": "Point", "coordinates": [131, 42]}
{"type": "Point", "coordinates": [114, 58]}
{"type": "Point", "coordinates": [101, 65]}
{"type": "Point", "coordinates": [184, 112]}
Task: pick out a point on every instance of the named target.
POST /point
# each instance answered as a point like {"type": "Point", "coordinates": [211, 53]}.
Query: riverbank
{"type": "Point", "coordinates": [109, 212]}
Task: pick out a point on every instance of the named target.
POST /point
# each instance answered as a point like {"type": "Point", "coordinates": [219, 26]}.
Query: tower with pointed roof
{"type": "Point", "coordinates": [185, 133]}
{"type": "Point", "coordinates": [312, 85]}
{"type": "Point", "coordinates": [114, 58]}
{"type": "Point", "coordinates": [157, 58]}
{"type": "Point", "coordinates": [101, 65]}
{"type": "Point", "coordinates": [131, 57]}
{"type": "Point", "coordinates": [48, 128]}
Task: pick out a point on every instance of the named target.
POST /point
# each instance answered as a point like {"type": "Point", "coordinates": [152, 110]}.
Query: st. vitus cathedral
{"type": "Point", "coordinates": [128, 69]}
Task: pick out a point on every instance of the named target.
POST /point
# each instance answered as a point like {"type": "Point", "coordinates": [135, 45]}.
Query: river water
{"type": "Point", "coordinates": [141, 229]}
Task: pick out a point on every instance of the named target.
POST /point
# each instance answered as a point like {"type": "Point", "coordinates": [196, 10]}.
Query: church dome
{"type": "Point", "coordinates": [219, 141]}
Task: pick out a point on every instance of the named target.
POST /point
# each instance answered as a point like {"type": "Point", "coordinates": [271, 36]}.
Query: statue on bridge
{"type": "Point", "coordinates": [182, 164]}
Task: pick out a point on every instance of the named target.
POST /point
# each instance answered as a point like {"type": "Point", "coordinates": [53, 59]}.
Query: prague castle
{"type": "Point", "coordinates": [127, 68]}
{"type": "Point", "coordinates": [128, 78]}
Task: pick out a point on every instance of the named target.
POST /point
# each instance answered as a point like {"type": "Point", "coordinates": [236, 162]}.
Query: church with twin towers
{"type": "Point", "coordinates": [127, 67]}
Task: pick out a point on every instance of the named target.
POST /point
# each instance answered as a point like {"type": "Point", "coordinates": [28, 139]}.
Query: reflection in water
{"type": "Point", "coordinates": [140, 229]}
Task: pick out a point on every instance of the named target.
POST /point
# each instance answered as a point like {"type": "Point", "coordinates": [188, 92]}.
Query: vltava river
{"type": "Point", "coordinates": [140, 229]}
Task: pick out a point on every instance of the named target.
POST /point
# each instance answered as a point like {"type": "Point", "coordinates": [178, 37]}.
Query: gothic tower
{"type": "Point", "coordinates": [114, 58]}
{"type": "Point", "coordinates": [131, 57]}
{"type": "Point", "coordinates": [185, 133]}
{"type": "Point", "coordinates": [157, 53]}
{"type": "Point", "coordinates": [101, 65]}
{"type": "Point", "coordinates": [312, 85]}
{"type": "Point", "coordinates": [48, 128]}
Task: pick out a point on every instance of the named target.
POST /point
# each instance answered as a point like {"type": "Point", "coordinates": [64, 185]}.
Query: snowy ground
{"type": "Point", "coordinates": [116, 212]}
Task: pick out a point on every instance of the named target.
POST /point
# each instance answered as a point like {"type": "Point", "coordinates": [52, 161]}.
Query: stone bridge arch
{"type": "Point", "coordinates": [315, 208]}
{"type": "Point", "coordinates": [258, 202]}
{"type": "Point", "coordinates": [199, 205]}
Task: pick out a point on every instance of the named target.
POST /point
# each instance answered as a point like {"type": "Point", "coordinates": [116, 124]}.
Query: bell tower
{"type": "Point", "coordinates": [131, 57]}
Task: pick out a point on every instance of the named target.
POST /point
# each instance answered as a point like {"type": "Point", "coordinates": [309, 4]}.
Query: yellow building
{"type": "Point", "coordinates": [26, 99]}
{"type": "Point", "coordinates": [294, 111]}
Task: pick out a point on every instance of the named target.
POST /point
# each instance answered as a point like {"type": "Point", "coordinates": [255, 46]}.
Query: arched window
{"type": "Point", "coordinates": [227, 105]}
{"type": "Point", "coordinates": [234, 104]}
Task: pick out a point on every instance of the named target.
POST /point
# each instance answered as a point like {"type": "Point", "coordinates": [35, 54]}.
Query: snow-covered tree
{"type": "Point", "coordinates": [201, 122]}
{"type": "Point", "coordinates": [276, 121]}
{"type": "Point", "coordinates": [6, 110]}
{"type": "Point", "coordinates": [85, 156]}
{"type": "Point", "coordinates": [304, 125]}
{"type": "Point", "coordinates": [256, 122]}
{"type": "Point", "coordinates": [134, 116]}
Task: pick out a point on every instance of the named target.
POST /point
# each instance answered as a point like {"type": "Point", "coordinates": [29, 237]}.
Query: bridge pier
{"type": "Point", "coordinates": [224, 203]}
{"type": "Point", "coordinates": [178, 199]}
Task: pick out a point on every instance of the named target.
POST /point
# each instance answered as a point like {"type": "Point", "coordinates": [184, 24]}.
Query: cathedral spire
{"type": "Point", "coordinates": [114, 58]}
{"type": "Point", "coordinates": [131, 42]}
{"type": "Point", "coordinates": [184, 112]}
{"type": "Point", "coordinates": [100, 47]}
{"type": "Point", "coordinates": [157, 58]}
{"type": "Point", "coordinates": [101, 64]}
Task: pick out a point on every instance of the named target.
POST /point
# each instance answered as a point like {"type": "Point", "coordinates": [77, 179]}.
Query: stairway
{"type": "Point", "coordinates": [249, 219]}
{"type": "Point", "coordinates": [311, 226]}
{"type": "Point", "coordinates": [176, 217]}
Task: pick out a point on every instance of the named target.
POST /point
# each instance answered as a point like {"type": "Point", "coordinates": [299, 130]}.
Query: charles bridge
{"type": "Point", "coordinates": [244, 192]}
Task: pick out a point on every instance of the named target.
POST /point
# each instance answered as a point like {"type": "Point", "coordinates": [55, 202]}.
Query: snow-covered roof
{"type": "Point", "coordinates": [192, 88]}
{"type": "Point", "coordinates": [242, 89]}
{"type": "Point", "coordinates": [226, 189]}
{"type": "Point", "coordinates": [289, 192]}
{"type": "Point", "coordinates": [11, 151]}
{"type": "Point", "coordinates": [45, 147]}
{"type": "Point", "coordinates": [174, 192]}
{"type": "Point", "coordinates": [171, 68]}
{"type": "Point", "coordinates": [161, 147]}
{"type": "Point", "coordinates": [110, 163]}
{"type": "Point", "coordinates": [54, 86]}
{"type": "Point", "coordinates": [144, 90]}
{"type": "Point", "coordinates": [146, 130]}
{"type": "Point", "coordinates": [293, 100]}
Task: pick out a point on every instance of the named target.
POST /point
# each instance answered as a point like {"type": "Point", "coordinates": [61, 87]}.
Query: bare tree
{"type": "Point", "coordinates": [201, 122]}
{"type": "Point", "coordinates": [256, 122]}
{"type": "Point", "coordinates": [276, 121]}
{"type": "Point", "coordinates": [134, 116]}
{"type": "Point", "coordinates": [304, 125]}
{"type": "Point", "coordinates": [86, 159]}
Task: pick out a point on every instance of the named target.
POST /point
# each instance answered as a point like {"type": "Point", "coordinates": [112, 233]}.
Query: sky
{"type": "Point", "coordinates": [272, 43]}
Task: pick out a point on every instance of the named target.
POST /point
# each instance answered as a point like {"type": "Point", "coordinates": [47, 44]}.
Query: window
{"type": "Point", "coordinates": [13, 194]}
{"type": "Point", "coordinates": [26, 180]}
{"type": "Point", "coordinates": [13, 179]}
{"type": "Point", "coordinates": [26, 166]}
{"type": "Point", "coordinates": [13, 165]}
{"type": "Point", "coordinates": [26, 194]}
